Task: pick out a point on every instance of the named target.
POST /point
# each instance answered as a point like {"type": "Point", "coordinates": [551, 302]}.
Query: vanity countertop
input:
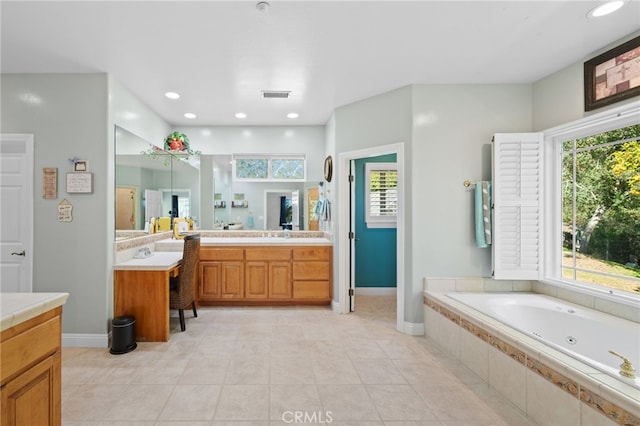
{"type": "Point", "coordinates": [16, 308]}
{"type": "Point", "coordinates": [158, 261]}
{"type": "Point", "coordinates": [176, 245]}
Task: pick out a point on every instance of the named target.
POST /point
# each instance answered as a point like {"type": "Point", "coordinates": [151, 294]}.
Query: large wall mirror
{"type": "Point", "coordinates": [151, 186]}
{"type": "Point", "coordinates": [180, 185]}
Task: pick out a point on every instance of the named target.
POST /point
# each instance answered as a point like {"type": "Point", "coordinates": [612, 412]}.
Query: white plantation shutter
{"type": "Point", "coordinates": [381, 194]}
{"type": "Point", "coordinates": [517, 200]}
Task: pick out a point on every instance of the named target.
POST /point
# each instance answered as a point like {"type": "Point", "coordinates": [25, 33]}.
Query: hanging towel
{"type": "Point", "coordinates": [486, 210]}
{"type": "Point", "coordinates": [483, 213]}
{"type": "Point", "coordinates": [319, 208]}
{"type": "Point", "coordinates": [326, 214]}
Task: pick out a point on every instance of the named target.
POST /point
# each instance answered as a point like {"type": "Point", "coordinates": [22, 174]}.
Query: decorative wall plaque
{"type": "Point", "coordinates": [49, 183]}
{"type": "Point", "coordinates": [79, 183]}
{"type": "Point", "coordinates": [65, 209]}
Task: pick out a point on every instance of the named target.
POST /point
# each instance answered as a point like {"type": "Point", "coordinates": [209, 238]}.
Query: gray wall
{"type": "Point", "coordinates": [70, 121]}
{"type": "Point", "coordinates": [381, 120]}
{"type": "Point", "coordinates": [447, 134]}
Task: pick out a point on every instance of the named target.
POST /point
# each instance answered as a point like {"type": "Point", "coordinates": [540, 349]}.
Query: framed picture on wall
{"type": "Point", "coordinates": [612, 76]}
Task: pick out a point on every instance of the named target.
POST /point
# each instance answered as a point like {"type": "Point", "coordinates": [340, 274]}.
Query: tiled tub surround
{"type": "Point", "coordinates": [549, 386]}
{"type": "Point", "coordinates": [584, 334]}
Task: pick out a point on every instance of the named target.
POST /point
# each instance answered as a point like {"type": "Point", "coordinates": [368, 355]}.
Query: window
{"type": "Point", "coordinates": [601, 209]}
{"type": "Point", "coordinates": [567, 206]}
{"type": "Point", "coordinates": [381, 195]}
{"type": "Point", "coordinates": [277, 168]}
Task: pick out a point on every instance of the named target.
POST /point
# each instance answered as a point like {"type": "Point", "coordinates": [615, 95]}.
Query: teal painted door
{"type": "Point", "coordinates": [375, 248]}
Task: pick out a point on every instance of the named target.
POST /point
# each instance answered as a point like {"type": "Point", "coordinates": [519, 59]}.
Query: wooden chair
{"type": "Point", "coordinates": [181, 288]}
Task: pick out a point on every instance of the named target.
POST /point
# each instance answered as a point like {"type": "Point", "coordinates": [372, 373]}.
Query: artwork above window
{"type": "Point", "coordinates": [269, 167]}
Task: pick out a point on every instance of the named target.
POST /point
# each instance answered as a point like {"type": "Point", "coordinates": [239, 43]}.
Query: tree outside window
{"type": "Point", "coordinates": [601, 209]}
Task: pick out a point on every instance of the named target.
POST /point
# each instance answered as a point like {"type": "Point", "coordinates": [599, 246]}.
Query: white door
{"type": "Point", "coordinates": [16, 223]}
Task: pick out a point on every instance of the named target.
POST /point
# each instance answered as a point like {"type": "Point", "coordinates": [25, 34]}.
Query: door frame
{"type": "Point", "coordinates": [343, 241]}
{"type": "Point", "coordinates": [28, 217]}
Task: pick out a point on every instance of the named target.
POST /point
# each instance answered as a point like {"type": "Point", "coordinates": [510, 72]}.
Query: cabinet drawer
{"type": "Point", "coordinates": [30, 346]}
{"type": "Point", "coordinates": [311, 270]}
{"type": "Point", "coordinates": [221, 253]}
{"type": "Point", "coordinates": [268, 253]}
{"type": "Point", "coordinates": [311, 290]}
{"type": "Point", "coordinates": [312, 253]}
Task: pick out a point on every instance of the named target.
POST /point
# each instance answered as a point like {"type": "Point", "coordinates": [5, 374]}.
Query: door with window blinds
{"type": "Point", "coordinates": [517, 205]}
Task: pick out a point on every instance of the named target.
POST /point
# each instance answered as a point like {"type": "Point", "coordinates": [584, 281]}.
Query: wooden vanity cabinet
{"type": "Point", "coordinates": [31, 371]}
{"type": "Point", "coordinates": [268, 273]}
{"type": "Point", "coordinates": [312, 269]}
{"type": "Point", "coordinates": [265, 275]}
{"type": "Point", "coordinates": [221, 274]}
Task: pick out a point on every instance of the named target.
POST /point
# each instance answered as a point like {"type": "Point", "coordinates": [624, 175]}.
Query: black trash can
{"type": "Point", "coordinates": [123, 335]}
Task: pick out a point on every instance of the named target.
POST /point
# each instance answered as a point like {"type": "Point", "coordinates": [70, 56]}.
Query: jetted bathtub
{"type": "Point", "coordinates": [582, 333]}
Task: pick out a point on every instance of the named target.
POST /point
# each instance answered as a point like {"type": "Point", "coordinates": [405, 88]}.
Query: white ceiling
{"type": "Point", "coordinates": [219, 55]}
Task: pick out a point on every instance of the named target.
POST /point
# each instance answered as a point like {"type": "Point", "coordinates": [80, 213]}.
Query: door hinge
{"type": "Point", "coordinates": [350, 178]}
{"type": "Point", "coordinates": [351, 235]}
{"type": "Point", "coordinates": [351, 292]}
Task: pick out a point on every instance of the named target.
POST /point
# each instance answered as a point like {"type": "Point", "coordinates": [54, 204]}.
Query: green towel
{"type": "Point", "coordinates": [482, 213]}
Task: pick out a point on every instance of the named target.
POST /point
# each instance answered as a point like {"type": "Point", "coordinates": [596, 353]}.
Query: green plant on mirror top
{"type": "Point", "coordinates": [176, 145]}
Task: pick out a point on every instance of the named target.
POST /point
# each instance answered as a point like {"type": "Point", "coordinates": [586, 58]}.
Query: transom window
{"type": "Point", "coordinates": [277, 168]}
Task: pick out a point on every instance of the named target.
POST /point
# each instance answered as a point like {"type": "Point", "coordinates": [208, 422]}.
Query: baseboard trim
{"type": "Point", "coordinates": [376, 291]}
{"type": "Point", "coordinates": [81, 340]}
{"type": "Point", "coordinates": [413, 329]}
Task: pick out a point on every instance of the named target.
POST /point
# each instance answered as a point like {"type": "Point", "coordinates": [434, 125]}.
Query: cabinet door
{"type": "Point", "coordinates": [256, 280]}
{"type": "Point", "coordinates": [232, 280]}
{"type": "Point", "coordinates": [280, 280]}
{"type": "Point", "coordinates": [33, 398]}
{"type": "Point", "coordinates": [210, 275]}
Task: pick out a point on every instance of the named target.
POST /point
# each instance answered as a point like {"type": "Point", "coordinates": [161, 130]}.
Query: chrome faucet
{"type": "Point", "coordinates": [626, 369]}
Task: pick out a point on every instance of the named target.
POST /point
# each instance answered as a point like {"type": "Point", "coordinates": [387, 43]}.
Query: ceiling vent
{"type": "Point", "coordinates": [276, 94]}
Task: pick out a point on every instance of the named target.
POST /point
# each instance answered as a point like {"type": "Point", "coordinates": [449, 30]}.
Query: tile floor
{"type": "Point", "coordinates": [279, 366]}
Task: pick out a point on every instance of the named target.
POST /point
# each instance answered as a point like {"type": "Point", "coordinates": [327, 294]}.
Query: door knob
{"type": "Point", "coordinates": [22, 253]}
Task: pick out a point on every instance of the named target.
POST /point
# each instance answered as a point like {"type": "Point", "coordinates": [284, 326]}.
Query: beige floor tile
{"type": "Point", "coordinates": [291, 370]}
{"type": "Point", "coordinates": [329, 370]}
{"type": "Point", "coordinates": [137, 402]}
{"type": "Point", "coordinates": [348, 403]}
{"type": "Point", "coordinates": [243, 402]}
{"type": "Point", "coordinates": [205, 370]}
{"type": "Point", "coordinates": [399, 402]}
{"type": "Point", "coordinates": [378, 371]}
{"type": "Point", "coordinates": [295, 402]}
{"type": "Point", "coordinates": [252, 370]}
{"type": "Point", "coordinates": [191, 403]}
{"type": "Point", "coordinates": [246, 366]}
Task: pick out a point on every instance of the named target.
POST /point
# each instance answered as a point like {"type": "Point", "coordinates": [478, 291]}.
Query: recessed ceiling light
{"type": "Point", "coordinates": [605, 8]}
{"type": "Point", "coordinates": [262, 6]}
{"type": "Point", "coordinates": [241, 115]}
{"type": "Point", "coordinates": [189, 115]}
{"type": "Point", "coordinates": [293, 115]}
{"type": "Point", "coordinates": [172, 95]}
